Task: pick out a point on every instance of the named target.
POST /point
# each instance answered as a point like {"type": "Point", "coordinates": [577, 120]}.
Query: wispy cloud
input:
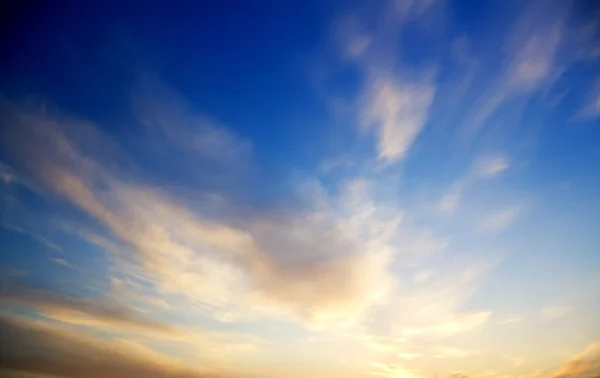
{"type": "Point", "coordinates": [399, 111]}
{"type": "Point", "coordinates": [512, 320]}
{"type": "Point", "coordinates": [64, 262]}
{"type": "Point", "coordinates": [60, 261]}
{"type": "Point", "coordinates": [408, 356]}
{"type": "Point", "coordinates": [209, 261]}
{"type": "Point", "coordinates": [435, 311]}
{"type": "Point", "coordinates": [451, 200]}
{"type": "Point", "coordinates": [41, 348]}
{"type": "Point", "coordinates": [591, 107]}
{"type": "Point", "coordinates": [457, 353]}
{"type": "Point", "coordinates": [551, 313]}
{"type": "Point", "coordinates": [583, 365]}
{"type": "Point", "coordinates": [484, 167]}
{"type": "Point", "coordinates": [532, 61]}
{"type": "Point", "coordinates": [102, 313]}
{"type": "Point", "coordinates": [501, 219]}
{"type": "Point", "coordinates": [457, 324]}
{"type": "Point", "coordinates": [252, 265]}
{"type": "Point", "coordinates": [491, 166]}
{"type": "Point", "coordinates": [394, 370]}
{"type": "Point", "coordinates": [37, 237]}
{"type": "Point", "coordinates": [170, 121]}
{"type": "Point", "coordinates": [530, 50]}
{"type": "Point", "coordinates": [395, 104]}
{"type": "Point", "coordinates": [7, 174]}
{"type": "Point", "coordinates": [120, 320]}
{"type": "Point", "coordinates": [514, 360]}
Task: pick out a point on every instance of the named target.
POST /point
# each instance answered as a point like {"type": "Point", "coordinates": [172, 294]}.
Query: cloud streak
{"type": "Point", "coordinates": [398, 110]}
{"type": "Point", "coordinates": [41, 348]}
{"type": "Point", "coordinates": [530, 60]}
{"type": "Point", "coordinates": [101, 313]}
{"type": "Point", "coordinates": [591, 107]}
{"type": "Point", "coordinates": [551, 313]}
{"type": "Point", "coordinates": [226, 266]}
{"type": "Point", "coordinates": [37, 237]}
{"type": "Point", "coordinates": [483, 168]}
{"type": "Point", "coordinates": [393, 102]}
{"type": "Point", "coordinates": [501, 219]}
{"type": "Point", "coordinates": [583, 365]}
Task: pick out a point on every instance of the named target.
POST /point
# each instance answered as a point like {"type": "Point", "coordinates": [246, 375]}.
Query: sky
{"type": "Point", "coordinates": [282, 188]}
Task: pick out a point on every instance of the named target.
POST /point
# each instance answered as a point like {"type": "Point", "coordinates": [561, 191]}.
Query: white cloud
{"type": "Point", "coordinates": [450, 201]}
{"type": "Point", "coordinates": [490, 167]}
{"type": "Point", "coordinates": [431, 312]}
{"type": "Point", "coordinates": [551, 313]}
{"type": "Point", "coordinates": [285, 265]}
{"type": "Point", "coordinates": [399, 111]}
{"type": "Point", "coordinates": [397, 108]}
{"type": "Point", "coordinates": [39, 238]}
{"type": "Point", "coordinates": [40, 347]}
{"type": "Point", "coordinates": [331, 164]}
{"type": "Point", "coordinates": [7, 175]}
{"type": "Point", "coordinates": [514, 360]}
{"type": "Point", "coordinates": [422, 276]}
{"type": "Point", "coordinates": [483, 168]}
{"type": "Point", "coordinates": [512, 320]}
{"type": "Point", "coordinates": [123, 321]}
{"type": "Point", "coordinates": [591, 108]}
{"type": "Point", "coordinates": [501, 220]}
{"type": "Point", "coordinates": [582, 365]}
{"type": "Point", "coordinates": [530, 64]}
{"type": "Point", "coordinates": [412, 8]}
{"type": "Point", "coordinates": [358, 46]}
{"type": "Point", "coordinates": [395, 370]}
{"type": "Point", "coordinates": [63, 262]}
{"type": "Point", "coordinates": [408, 356]}
{"type": "Point", "coordinates": [456, 353]}
{"type": "Point", "coordinates": [102, 313]}
{"type": "Point", "coordinates": [282, 265]}
{"type": "Point", "coordinates": [60, 261]}
{"type": "Point", "coordinates": [533, 61]}
{"type": "Point", "coordinates": [171, 122]}
{"type": "Point", "coordinates": [455, 325]}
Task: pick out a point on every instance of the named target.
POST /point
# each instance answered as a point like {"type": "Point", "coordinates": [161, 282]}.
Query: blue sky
{"type": "Point", "coordinates": [301, 189]}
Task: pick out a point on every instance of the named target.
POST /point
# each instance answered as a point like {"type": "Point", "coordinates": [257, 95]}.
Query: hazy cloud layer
{"type": "Point", "coordinates": [40, 348]}
{"type": "Point", "coordinates": [102, 313]}
{"type": "Point", "coordinates": [32, 346]}
{"type": "Point", "coordinates": [342, 240]}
